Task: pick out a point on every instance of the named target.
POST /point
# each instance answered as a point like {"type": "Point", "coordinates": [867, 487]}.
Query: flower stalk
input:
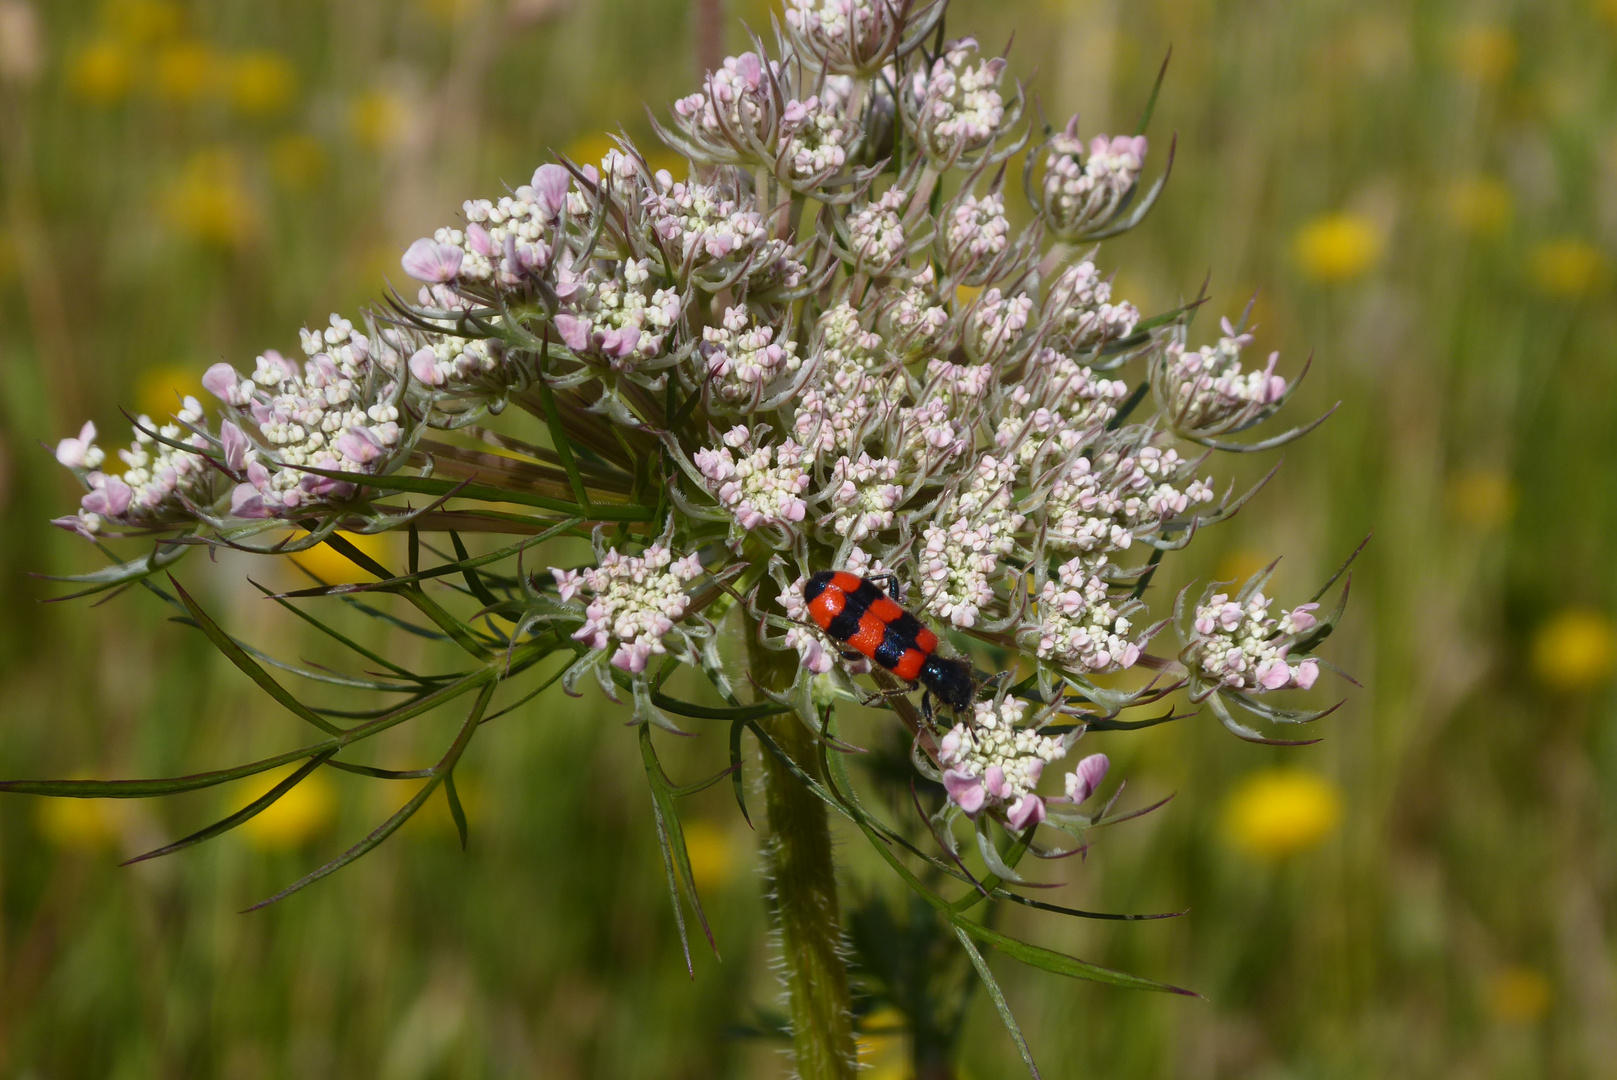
{"type": "Point", "coordinates": [804, 904]}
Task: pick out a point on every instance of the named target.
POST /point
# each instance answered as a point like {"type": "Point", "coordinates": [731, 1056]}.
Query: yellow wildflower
{"type": "Point", "coordinates": [334, 568]}
{"type": "Point", "coordinates": [1279, 812]}
{"type": "Point", "coordinates": [1338, 247]}
{"type": "Point", "coordinates": [1567, 267]}
{"type": "Point", "coordinates": [1482, 497]}
{"type": "Point", "coordinates": [296, 817]}
{"type": "Point", "coordinates": [261, 83]}
{"type": "Point", "coordinates": [881, 1049]}
{"type": "Point", "coordinates": [82, 824]}
{"type": "Point", "coordinates": [1575, 649]}
{"type": "Point", "coordinates": [209, 200]}
{"type": "Point", "coordinates": [143, 22]}
{"type": "Point", "coordinates": [1518, 995]}
{"type": "Point", "coordinates": [712, 851]}
{"type": "Point", "coordinates": [101, 72]}
{"type": "Point", "coordinates": [186, 71]}
{"type": "Point", "coordinates": [1484, 53]}
{"type": "Point", "coordinates": [1478, 204]}
{"type": "Point", "coordinates": [377, 119]}
{"type": "Point", "coordinates": [297, 161]}
{"type": "Point", "coordinates": [160, 389]}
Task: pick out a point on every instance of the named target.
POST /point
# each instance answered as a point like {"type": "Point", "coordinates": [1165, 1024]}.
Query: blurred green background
{"type": "Point", "coordinates": [1424, 191]}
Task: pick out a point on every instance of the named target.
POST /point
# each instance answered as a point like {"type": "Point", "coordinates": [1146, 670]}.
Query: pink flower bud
{"type": "Point", "coordinates": [550, 183]}
{"type": "Point", "coordinates": [246, 502]}
{"type": "Point", "coordinates": [221, 381]}
{"type": "Point", "coordinates": [110, 496]}
{"type": "Point", "coordinates": [1273, 674]}
{"type": "Point", "coordinates": [575, 332]}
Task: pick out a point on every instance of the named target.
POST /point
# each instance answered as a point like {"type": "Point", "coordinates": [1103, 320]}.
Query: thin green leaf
{"type": "Point", "coordinates": [736, 727]}
{"type": "Point", "coordinates": [251, 810]}
{"type": "Point", "coordinates": [373, 657]}
{"type": "Point", "coordinates": [456, 811]}
{"type": "Point", "coordinates": [473, 581]}
{"type": "Point", "coordinates": [1062, 964]}
{"type": "Point", "coordinates": [485, 493]}
{"type": "Point", "coordinates": [672, 838]}
{"type": "Point", "coordinates": [236, 655]}
{"type": "Point", "coordinates": [1000, 1004]}
{"type": "Point", "coordinates": [145, 789]}
{"type": "Point", "coordinates": [405, 812]}
{"type": "Point", "coordinates": [1151, 102]}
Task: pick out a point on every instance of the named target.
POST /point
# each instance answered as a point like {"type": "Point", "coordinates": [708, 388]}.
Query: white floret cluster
{"type": "Point", "coordinates": [958, 561]}
{"type": "Point", "coordinates": [338, 412]}
{"type": "Point", "coordinates": [815, 138]}
{"type": "Point", "coordinates": [764, 485]}
{"type": "Point", "coordinates": [1079, 626]}
{"type": "Point", "coordinates": [864, 495]}
{"type": "Point", "coordinates": [1239, 646]}
{"type": "Point", "coordinates": [1206, 389]}
{"type": "Point", "coordinates": [158, 480]}
{"type": "Point", "coordinates": [743, 358]}
{"type": "Point", "coordinates": [634, 601]}
{"type": "Point", "coordinates": [701, 222]}
{"type": "Point", "coordinates": [957, 106]}
{"type": "Point", "coordinates": [992, 761]}
{"type": "Point", "coordinates": [1082, 192]}
{"type": "Point", "coordinates": [876, 236]}
{"type": "Point", "coordinates": [977, 230]}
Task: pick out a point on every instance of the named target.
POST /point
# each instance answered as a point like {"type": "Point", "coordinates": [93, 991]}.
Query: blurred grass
{"type": "Point", "coordinates": [1422, 191]}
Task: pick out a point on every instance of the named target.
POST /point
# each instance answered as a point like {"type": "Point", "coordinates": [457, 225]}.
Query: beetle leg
{"type": "Point", "coordinates": [888, 582]}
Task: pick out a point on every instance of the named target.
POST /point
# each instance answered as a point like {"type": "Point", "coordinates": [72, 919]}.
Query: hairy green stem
{"type": "Point", "coordinates": [805, 890]}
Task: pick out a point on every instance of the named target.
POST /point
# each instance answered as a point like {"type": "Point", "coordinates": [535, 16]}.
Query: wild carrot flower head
{"type": "Point", "coordinates": [823, 345]}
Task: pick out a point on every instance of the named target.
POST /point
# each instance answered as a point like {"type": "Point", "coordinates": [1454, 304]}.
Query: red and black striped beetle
{"type": "Point", "coordinates": [859, 613]}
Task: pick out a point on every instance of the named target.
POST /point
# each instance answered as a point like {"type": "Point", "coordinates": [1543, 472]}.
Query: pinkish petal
{"type": "Point", "coordinates": [429, 261]}
{"type": "Point", "coordinates": [575, 332]}
{"type": "Point", "coordinates": [1306, 674]}
{"type": "Point", "coordinates": [220, 380]}
{"type": "Point", "coordinates": [965, 791]}
{"type": "Point", "coordinates": [424, 366]}
{"type": "Point", "coordinates": [1028, 809]}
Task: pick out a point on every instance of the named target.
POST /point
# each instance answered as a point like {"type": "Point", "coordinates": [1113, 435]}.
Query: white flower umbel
{"type": "Point", "coordinates": [955, 107]}
{"type": "Point", "coordinates": [958, 562]}
{"type": "Point", "coordinates": [338, 412]}
{"type": "Point", "coordinates": [159, 483]}
{"type": "Point", "coordinates": [634, 601]}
